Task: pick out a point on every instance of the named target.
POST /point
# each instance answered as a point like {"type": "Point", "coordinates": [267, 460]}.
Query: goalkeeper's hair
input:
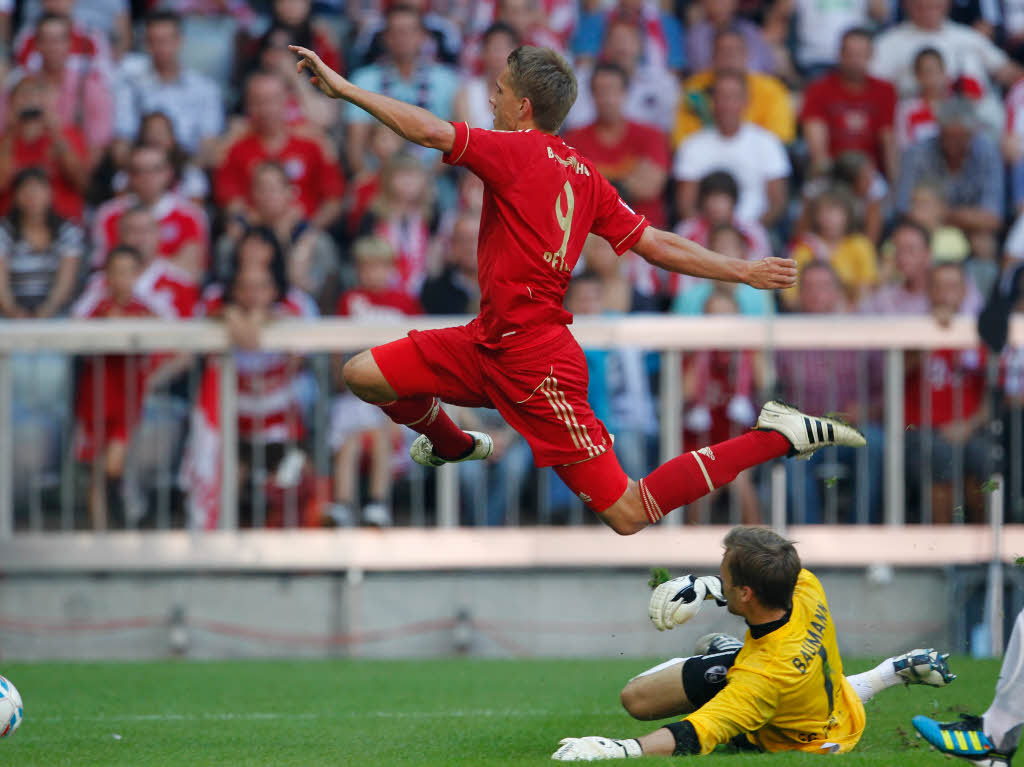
{"type": "Point", "coordinates": [764, 561]}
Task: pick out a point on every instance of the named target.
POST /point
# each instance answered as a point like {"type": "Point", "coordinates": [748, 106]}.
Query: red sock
{"type": "Point", "coordinates": [424, 414]}
{"type": "Point", "coordinates": [685, 479]}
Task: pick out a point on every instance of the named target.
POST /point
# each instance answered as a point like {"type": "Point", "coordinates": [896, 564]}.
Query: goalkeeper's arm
{"type": "Point", "coordinates": [678, 600]}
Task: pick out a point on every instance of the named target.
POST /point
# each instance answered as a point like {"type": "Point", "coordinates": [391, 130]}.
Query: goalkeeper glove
{"type": "Point", "coordinates": [678, 600]}
{"type": "Point", "coordinates": [593, 747]}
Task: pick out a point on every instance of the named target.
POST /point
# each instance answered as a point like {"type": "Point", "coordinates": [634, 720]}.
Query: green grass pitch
{"type": "Point", "coordinates": [354, 713]}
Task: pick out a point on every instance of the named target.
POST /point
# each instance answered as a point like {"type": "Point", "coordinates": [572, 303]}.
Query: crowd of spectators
{"type": "Point", "coordinates": [172, 143]}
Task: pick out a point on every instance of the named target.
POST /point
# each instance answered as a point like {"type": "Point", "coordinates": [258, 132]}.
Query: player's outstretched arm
{"type": "Point", "coordinates": [407, 120]}
{"type": "Point", "coordinates": [669, 251]}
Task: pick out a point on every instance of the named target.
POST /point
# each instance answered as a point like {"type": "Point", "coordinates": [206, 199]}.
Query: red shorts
{"type": "Point", "coordinates": [539, 389]}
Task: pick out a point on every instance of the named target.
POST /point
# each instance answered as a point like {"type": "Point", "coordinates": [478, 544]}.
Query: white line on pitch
{"type": "Point", "coordinates": [257, 715]}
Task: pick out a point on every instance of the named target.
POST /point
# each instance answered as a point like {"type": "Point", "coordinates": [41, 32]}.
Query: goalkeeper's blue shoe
{"type": "Point", "coordinates": [964, 738]}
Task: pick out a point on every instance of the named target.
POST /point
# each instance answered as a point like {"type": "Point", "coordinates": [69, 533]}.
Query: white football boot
{"type": "Point", "coordinates": [422, 450]}
{"type": "Point", "coordinates": [807, 433]}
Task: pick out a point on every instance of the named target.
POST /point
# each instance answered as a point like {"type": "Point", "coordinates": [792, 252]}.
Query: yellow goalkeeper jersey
{"type": "Point", "coordinates": [786, 690]}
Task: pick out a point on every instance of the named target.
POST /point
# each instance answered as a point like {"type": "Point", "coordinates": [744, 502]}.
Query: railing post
{"type": "Point", "coordinates": [6, 449]}
{"type": "Point", "coordinates": [670, 432]}
{"type": "Point", "coordinates": [447, 497]}
{"type": "Point", "coordinates": [995, 567]}
{"type": "Point", "coordinates": [228, 409]}
{"type": "Point", "coordinates": [894, 429]}
{"type": "Point", "coordinates": [778, 475]}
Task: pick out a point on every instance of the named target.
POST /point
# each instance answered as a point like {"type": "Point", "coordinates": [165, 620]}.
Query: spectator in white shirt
{"type": "Point", "coordinates": [653, 91]}
{"type": "Point", "coordinates": [972, 60]}
{"type": "Point", "coordinates": [755, 157]}
{"type": "Point", "coordinates": [191, 100]}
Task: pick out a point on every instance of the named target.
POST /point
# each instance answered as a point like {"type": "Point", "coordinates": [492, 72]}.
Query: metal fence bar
{"type": "Point", "coordinates": [778, 474]}
{"type": "Point", "coordinates": [229, 442]}
{"type": "Point", "coordinates": [670, 394]}
{"type": "Point", "coordinates": [995, 571]}
{"type": "Point", "coordinates": [894, 418]}
{"type": "Point", "coordinates": [6, 448]}
{"type": "Point", "coordinates": [447, 488]}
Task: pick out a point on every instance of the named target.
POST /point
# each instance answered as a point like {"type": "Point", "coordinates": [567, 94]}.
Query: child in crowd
{"type": "Point", "coordinates": [727, 240]}
{"type": "Point", "coordinates": [915, 116]}
{"type": "Point", "coordinates": [109, 394]}
{"type": "Point", "coordinates": [832, 235]}
{"type": "Point", "coordinates": [360, 430]}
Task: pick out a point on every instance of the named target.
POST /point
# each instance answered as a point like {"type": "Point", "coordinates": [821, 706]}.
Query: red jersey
{"type": "Point", "coordinates": [87, 49]}
{"type": "Point", "coordinates": [180, 220]}
{"type": "Point", "coordinates": [67, 199]}
{"type": "Point", "coordinates": [541, 200]}
{"type": "Point", "coordinates": [316, 177]}
{"type": "Point", "coordinates": [855, 117]}
{"type": "Point", "coordinates": [956, 380]}
{"type": "Point", "coordinates": [110, 388]}
{"type": "Point", "coordinates": [615, 161]}
{"type": "Point", "coordinates": [385, 305]}
{"type": "Point", "coordinates": [168, 291]}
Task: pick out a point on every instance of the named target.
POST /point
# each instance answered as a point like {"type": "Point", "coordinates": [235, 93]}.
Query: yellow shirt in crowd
{"type": "Point", "coordinates": [786, 690]}
{"type": "Point", "coordinates": [769, 106]}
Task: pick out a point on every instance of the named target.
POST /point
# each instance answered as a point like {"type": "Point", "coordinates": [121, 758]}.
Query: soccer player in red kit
{"type": "Point", "coordinates": [541, 200]}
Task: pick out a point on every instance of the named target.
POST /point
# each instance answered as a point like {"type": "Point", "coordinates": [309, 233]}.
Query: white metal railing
{"type": "Point", "coordinates": [670, 335]}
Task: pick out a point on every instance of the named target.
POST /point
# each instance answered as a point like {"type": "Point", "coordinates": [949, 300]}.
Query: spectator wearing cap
{"type": "Point", "coordinates": [404, 74]}
{"type": "Point", "coordinates": [652, 92]}
{"type": "Point", "coordinates": [755, 157]}
{"type": "Point", "coordinates": [36, 138]}
{"type": "Point", "coordinates": [849, 110]}
{"type": "Point", "coordinates": [965, 165]}
{"type": "Point", "coordinates": [717, 16]}
{"type": "Point", "coordinates": [633, 156]}
{"type": "Point", "coordinates": [191, 100]}
{"type": "Point", "coordinates": [84, 100]}
{"type": "Point", "coordinates": [768, 100]}
{"type": "Point", "coordinates": [315, 173]}
{"type": "Point", "coordinates": [972, 60]}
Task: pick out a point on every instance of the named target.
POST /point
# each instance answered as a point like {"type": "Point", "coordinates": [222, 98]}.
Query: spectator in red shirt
{"type": "Point", "coordinates": [849, 109]}
{"type": "Point", "coordinates": [89, 49]}
{"type": "Point", "coordinates": [84, 96]}
{"type": "Point", "coordinates": [359, 428]}
{"type": "Point", "coordinates": [316, 176]}
{"type": "Point", "coordinates": [634, 157]}
{"type": "Point", "coordinates": [35, 137]}
{"type": "Point", "coordinates": [108, 400]}
{"type": "Point", "coordinates": [944, 407]}
{"type": "Point", "coordinates": [184, 235]}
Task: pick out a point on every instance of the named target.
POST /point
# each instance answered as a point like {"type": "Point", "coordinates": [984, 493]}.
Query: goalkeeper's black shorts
{"type": "Point", "coordinates": [704, 675]}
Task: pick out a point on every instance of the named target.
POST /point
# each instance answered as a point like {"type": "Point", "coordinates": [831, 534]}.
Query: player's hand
{"type": "Point", "coordinates": [771, 273]}
{"type": "Point", "coordinates": [593, 747]}
{"type": "Point", "coordinates": [676, 601]}
{"type": "Point", "coordinates": [321, 75]}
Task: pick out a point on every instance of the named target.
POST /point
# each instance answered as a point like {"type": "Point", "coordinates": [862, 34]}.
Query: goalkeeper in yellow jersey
{"type": "Point", "coordinates": [782, 689]}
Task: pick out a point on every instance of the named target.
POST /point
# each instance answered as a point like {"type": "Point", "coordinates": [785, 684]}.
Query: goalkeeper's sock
{"type": "Point", "coordinates": [870, 683]}
{"type": "Point", "coordinates": [426, 416]}
{"type": "Point", "coordinates": [688, 477]}
{"type": "Point", "coordinates": [1004, 717]}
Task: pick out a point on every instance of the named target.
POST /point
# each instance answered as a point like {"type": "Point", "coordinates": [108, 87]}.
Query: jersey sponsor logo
{"type": "Point", "coordinates": [811, 644]}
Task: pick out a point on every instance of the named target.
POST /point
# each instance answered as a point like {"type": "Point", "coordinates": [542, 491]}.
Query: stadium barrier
{"type": "Point", "coordinates": [671, 337]}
